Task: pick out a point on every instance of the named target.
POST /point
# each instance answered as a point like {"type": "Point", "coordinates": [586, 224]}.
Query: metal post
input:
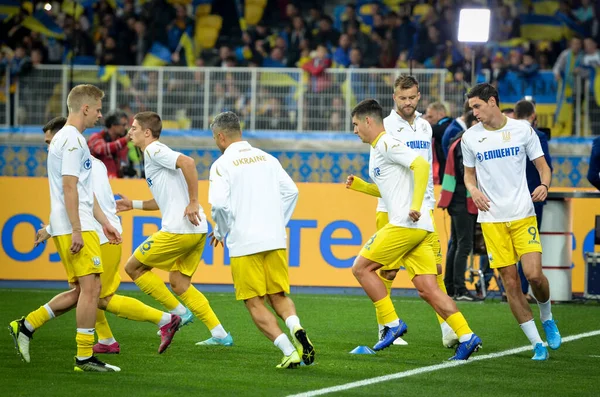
{"type": "Point", "coordinates": [442, 86]}
{"type": "Point", "coordinates": [16, 106]}
{"type": "Point", "coordinates": [472, 67]}
{"type": "Point", "coordinates": [7, 94]}
{"type": "Point", "coordinates": [65, 90]}
{"type": "Point", "coordinates": [347, 124]}
{"type": "Point", "coordinates": [586, 108]}
{"type": "Point", "coordinates": [300, 114]}
{"type": "Point", "coordinates": [206, 101]}
{"type": "Point", "coordinates": [113, 91]}
{"type": "Point", "coordinates": [253, 87]}
{"type": "Point", "coordinates": [577, 105]}
{"type": "Point", "coordinates": [159, 97]}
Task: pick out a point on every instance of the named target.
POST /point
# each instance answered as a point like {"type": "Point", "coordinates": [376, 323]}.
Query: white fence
{"type": "Point", "coordinates": [187, 98]}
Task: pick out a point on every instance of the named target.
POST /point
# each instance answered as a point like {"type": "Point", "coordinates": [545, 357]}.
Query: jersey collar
{"type": "Point", "coordinates": [377, 139]}
{"type": "Point", "coordinates": [496, 129]}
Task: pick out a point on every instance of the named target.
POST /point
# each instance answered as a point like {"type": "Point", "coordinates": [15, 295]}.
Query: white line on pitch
{"type": "Point", "coordinates": [431, 368]}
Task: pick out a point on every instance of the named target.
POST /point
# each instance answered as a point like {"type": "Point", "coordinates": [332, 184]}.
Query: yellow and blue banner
{"type": "Point", "coordinates": [323, 240]}
{"type": "Point", "coordinates": [105, 73]}
{"type": "Point", "coordinates": [8, 8]}
{"type": "Point", "coordinates": [241, 11]}
{"type": "Point", "coordinates": [43, 23]}
{"type": "Point", "coordinates": [545, 7]}
{"type": "Point", "coordinates": [187, 44]}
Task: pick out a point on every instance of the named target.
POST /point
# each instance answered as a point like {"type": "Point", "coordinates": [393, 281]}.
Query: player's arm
{"type": "Point", "coordinates": [420, 168]}
{"type": "Point", "coordinates": [219, 198]}
{"type": "Point", "coordinates": [188, 167]}
{"type": "Point", "coordinates": [470, 177]}
{"type": "Point", "coordinates": [357, 184]}
{"type": "Point", "coordinates": [289, 194]}
{"type": "Point", "coordinates": [72, 207]}
{"type": "Point", "coordinates": [111, 233]}
{"type": "Point", "coordinates": [125, 204]}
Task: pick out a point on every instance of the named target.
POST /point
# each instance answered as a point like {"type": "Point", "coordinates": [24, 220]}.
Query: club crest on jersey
{"type": "Point", "coordinates": [96, 261]}
{"type": "Point", "coordinates": [87, 164]}
{"type": "Point", "coordinates": [376, 171]}
{"type": "Point", "coordinates": [506, 136]}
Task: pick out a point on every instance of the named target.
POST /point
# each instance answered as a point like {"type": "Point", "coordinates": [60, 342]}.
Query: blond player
{"type": "Point", "coordinates": [406, 124]}
{"type": "Point", "coordinates": [401, 176]}
{"type": "Point", "coordinates": [495, 153]}
{"type": "Point", "coordinates": [177, 247]}
{"type": "Point", "coordinates": [252, 199]}
{"type": "Point", "coordinates": [119, 305]}
{"type": "Point", "coordinates": [72, 214]}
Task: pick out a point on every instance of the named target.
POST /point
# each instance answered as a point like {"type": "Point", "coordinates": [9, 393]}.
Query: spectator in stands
{"type": "Point", "coordinates": [525, 111]}
{"type": "Point", "coordinates": [110, 144]}
{"type": "Point", "coordinates": [326, 35]}
{"type": "Point", "coordinates": [568, 60]}
{"type": "Point", "coordinates": [594, 170]}
{"type": "Point", "coordinates": [297, 36]}
{"type": "Point", "coordinates": [341, 56]}
{"type": "Point", "coordinates": [436, 115]}
{"type": "Point", "coordinates": [349, 17]}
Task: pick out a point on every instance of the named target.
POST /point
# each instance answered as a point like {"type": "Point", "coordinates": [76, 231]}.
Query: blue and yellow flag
{"type": "Point", "coordinates": [241, 11]}
{"type": "Point", "coordinates": [541, 27]}
{"type": "Point", "coordinates": [159, 55]}
{"type": "Point", "coordinates": [187, 44]}
{"type": "Point", "coordinates": [105, 73]}
{"type": "Point", "coordinates": [8, 8]}
{"type": "Point", "coordinates": [545, 7]}
{"type": "Point", "coordinates": [42, 23]}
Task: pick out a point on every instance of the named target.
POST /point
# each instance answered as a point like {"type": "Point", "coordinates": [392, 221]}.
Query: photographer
{"type": "Point", "coordinates": [110, 145]}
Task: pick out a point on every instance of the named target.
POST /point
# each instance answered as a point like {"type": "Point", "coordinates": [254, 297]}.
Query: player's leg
{"type": "Point", "coordinates": [528, 246]}
{"type": "Point", "coordinates": [502, 256]}
{"type": "Point", "coordinates": [250, 283]}
{"type": "Point", "coordinates": [22, 329]}
{"type": "Point", "coordinates": [110, 279]}
{"type": "Point", "coordinates": [387, 276]}
{"type": "Point", "coordinates": [266, 322]}
{"type": "Point", "coordinates": [190, 248]}
{"type": "Point", "coordinates": [158, 251]}
{"type": "Point", "coordinates": [278, 285]}
{"type": "Point", "coordinates": [421, 267]}
{"type": "Point", "coordinates": [383, 250]}
{"type": "Point", "coordinates": [87, 267]}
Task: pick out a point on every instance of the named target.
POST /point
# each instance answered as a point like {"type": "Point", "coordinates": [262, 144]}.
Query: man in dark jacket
{"type": "Point", "coordinates": [525, 111]}
{"type": "Point", "coordinates": [436, 115]}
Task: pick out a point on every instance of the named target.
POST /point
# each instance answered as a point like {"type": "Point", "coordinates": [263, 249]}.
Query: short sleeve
{"type": "Point", "coordinates": [533, 147]}
{"type": "Point", "coordinates": [396, 151]}
{"type": "Point", "coordinates": [164, 156]}
{"type": "Point", "coordinates": [72, 155]}
{"type": "Point", "coordinates": [467, 153]}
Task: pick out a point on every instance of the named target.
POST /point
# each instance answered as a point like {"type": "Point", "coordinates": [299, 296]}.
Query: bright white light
{"type": "Point", "coordinates": [474, 25]}
{"type": "Point", "coordinates": [47, 6]}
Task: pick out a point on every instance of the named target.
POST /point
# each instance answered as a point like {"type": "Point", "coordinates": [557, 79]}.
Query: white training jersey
{"type": "Point", "coordinates": [170, 190]}
{"type": "Point", "coordinates": [105, 197]}
{"type": "Point", "coordinates": [389, 167]}
{"type": "Point", "coordinates": [252, 199]}
{"type": "Point", "coordinates": [500, 158]}
{"type": "Point", "coordinates": [69, 154]}
{"type": "Point", "coordinates": [417, 137]}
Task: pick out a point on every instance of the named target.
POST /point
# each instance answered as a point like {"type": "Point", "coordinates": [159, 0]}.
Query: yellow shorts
{"type": "Point", "coordinates": [172, 252]}
{"type": "Point", "coordinates": [392, 245]}
{"type": "Point", "coordinates": [111, 260]}
{"type": "Point", "coordinates": [507, 242]}
{"type": "Point", "coordinates": [87, 261]}
{"type": "Point", "coordinates": [381, 219]}
{"type": "Point", "coordinates": [260, 274]}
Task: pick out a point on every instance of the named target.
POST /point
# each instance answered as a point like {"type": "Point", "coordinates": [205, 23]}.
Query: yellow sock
{"type": "Point", "coordinates": [85, 342]}
{"type": "Point", "coordinates": [133, 309]}
{"type": "Point", "coordinates": [38, 317]}
{"type": "Point", "coordinates": [458, 324]}
{"type": "Point", "coordinates": [440, 282]}
{"type": "Point", "coordinates": [385, 310]}
{"type": "Point", "coordinates": [102, 328]}
{"type": "Point", "coordinates": [152, 285]}
{"type": "Point", "coordinates": [387, 283]}
{"type": "Point", "coordinates": [198, 304]}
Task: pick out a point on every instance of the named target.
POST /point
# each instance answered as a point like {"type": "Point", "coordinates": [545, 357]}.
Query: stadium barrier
{"type": "Point", "coordinates": [326, 232]}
